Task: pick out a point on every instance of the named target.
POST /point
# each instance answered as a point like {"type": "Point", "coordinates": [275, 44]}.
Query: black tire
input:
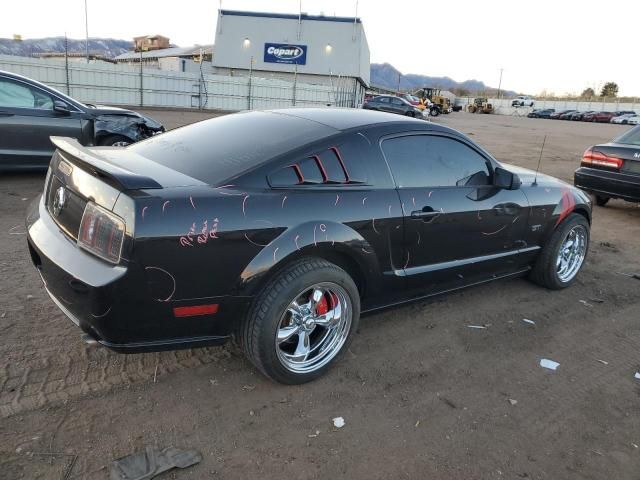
{"type": "Point", "coordinates": [410, 114]}
{"type": "Point", "coordinates": [257, 335]}
{"type": "Point", "coordinates": [114, 141]}
{"type": "Point", "coordinates": [601, 201]}
{"type": "Point", "coordinates": [434, 112]}
{"type": "Point", "coordinates": [544, 272]}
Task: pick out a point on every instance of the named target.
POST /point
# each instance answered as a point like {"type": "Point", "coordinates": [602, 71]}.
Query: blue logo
{"type": "Point", "coordinates": [285, 53]}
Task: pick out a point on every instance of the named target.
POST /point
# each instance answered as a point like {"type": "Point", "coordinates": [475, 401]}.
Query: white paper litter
{"type": "Point", "coordinates": [338, 422]}
{"type": "Point", "coordinates": [476, 326]}
{"type": "Point", "coordinates": [604, 362]}
{"type": "Point", "coordinates": [550, 364]}
{"type": "Point", "coordinates": [530, 322]}
{"type": "Point", "coordinates": [637, 375]}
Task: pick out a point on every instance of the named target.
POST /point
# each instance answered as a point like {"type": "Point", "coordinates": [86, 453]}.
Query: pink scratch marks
{"type": "Point", "coordinates": [206, 233]}
{"type": "Point", "coordinates": [191, 201]}
{"type": "Point", "coordinates": [221, 190]}
{"type": "Point", "coordinates": [479, 216]}
{"type": "Point", "coordinates": [295, 240]}
{"type": "Point", "coordinates": [364, 200]}
{"type": "Point", "coordinates": [244, 203]}
{"type": "Point", "coordinates": [275, 252]}
{"type": "Point", "coordinates": [165, 205]}
{"type": "Point", "coordinates": [497, 231]}
{"type": "Point", "coordinates": [103, 314]}
{"type": "Point", "coordinates": [284, 199]}
{"type": "Point", "coordinates": [172, 279]}
{"type": "Point", "coordinates": [366, 251]}
{"type": "Point", "coordinates": [389, 209]}
{"type": "Point", "coordinates": [315, 243]}
{"type": "Point", "coordinates": [373, 224]}
{"type": "Point", "coordinates": [413, 199]}
{"type": "Point", "coordinates": [337, 200]}
{"type": "Point", "coordinates": [144, 209]}
{"type": "Point", "coordinates": [429, 195]}
{"type": "Point", "coordinates": [256, 243]}
{"type": "Point", "coordinates": [419, 237]}
{"type": "Point", "coordinates": [406, 264]}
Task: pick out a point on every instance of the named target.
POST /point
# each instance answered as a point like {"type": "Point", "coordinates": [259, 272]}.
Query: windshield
{"type": "Point", "coordinates": [632, 137]}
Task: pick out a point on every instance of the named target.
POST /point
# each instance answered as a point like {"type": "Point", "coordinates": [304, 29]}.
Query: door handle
{"type": "Point", "coordinates": [4, 113]}
{"type": "Point", "coordinates": [427, 214]}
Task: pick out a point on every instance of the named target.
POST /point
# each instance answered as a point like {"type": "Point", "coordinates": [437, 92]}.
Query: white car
{"type": "Point", "coordinates": [522, 101]}
{"type": "Point", "coordinates": [634, 120]}
{"type": "Point", "coordinates": [624, 119]}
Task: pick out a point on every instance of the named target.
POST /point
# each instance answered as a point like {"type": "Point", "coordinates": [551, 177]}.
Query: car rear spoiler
{"type": "Point", "coordinates": [92, 162]}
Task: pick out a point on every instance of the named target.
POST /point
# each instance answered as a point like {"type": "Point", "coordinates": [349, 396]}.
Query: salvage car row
{"type": "Point", "coordinates": [625, 117]}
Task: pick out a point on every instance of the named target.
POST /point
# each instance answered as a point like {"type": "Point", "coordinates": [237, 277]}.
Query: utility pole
{"type": "Point", "coordinates": [86, 30]}
{"type": "Point", "coordinates": [500, 83]}
{"type": "Point", "coordinates": [399, 77]}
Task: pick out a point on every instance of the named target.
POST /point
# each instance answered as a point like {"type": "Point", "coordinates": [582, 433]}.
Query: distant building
{"type": "Point", "coordinates": [150, 42]}
{"type": "Point", "coordinates": [314, 49]}
{"type": "Point", "coordinates": [176, 59]}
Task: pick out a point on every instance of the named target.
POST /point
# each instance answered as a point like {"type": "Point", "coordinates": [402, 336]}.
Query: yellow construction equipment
{"type": "Point", "coordinates": [441, 104]}
{"type": "Point", "coordinates": [480, 105]}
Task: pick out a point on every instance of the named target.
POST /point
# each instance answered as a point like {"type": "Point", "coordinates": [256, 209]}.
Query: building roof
{"type": "Point", "coordinates": [167, 52]}
{"type": "Point", "coordinates": [291, 16]}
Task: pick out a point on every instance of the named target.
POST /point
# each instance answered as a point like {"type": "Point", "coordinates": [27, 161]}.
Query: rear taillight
{"type": "Point", "coordinates": [101, 233]}
{"type": "Point", "coordinates": [591, 158]}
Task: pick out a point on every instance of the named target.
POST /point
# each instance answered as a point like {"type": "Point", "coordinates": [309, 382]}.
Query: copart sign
{"type": "Point", "coordinates": [285, 53]}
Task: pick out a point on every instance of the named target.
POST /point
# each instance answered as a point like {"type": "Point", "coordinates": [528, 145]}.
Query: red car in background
{"type": "Point", "coordinates": [603, 117]}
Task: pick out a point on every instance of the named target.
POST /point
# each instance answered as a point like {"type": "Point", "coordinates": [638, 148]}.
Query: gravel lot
{"type": "Point", "coordinates": [423, 395]}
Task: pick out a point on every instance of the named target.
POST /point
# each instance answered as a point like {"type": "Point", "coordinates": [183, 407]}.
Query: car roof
{"type": "Point", "coordinates": [348, 118]}
{"type": "Point", "coordinates": [43, 86]}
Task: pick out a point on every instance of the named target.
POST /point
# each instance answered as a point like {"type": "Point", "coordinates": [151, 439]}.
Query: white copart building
{"type": "Point", "coordinates": [311, 49]}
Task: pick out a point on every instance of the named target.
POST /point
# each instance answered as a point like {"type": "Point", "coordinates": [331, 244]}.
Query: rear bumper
{"type": "Point", "coordinates": [114, 304]}
{"type": "Point", "coordinates": [609, 184]}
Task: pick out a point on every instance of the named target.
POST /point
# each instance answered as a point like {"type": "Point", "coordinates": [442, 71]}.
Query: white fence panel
{"type": "Point", "coordinates": [104, 83]}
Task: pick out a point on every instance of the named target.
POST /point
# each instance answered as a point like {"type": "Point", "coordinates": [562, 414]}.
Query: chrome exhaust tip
{"type": "Point", "coordinates": [89, 340]}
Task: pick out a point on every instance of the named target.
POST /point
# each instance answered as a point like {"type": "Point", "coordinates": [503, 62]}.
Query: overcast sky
{"type": "Point", "coordinates": [558, 45]}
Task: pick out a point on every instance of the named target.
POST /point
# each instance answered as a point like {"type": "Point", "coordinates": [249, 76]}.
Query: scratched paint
{"type": "Point", "coordinates": [206, 232]}
{"type": "Point", "coordinates": [191, 201]}
{"type": "Point", "coordinates": [173, 290]}
{"type": "Point", "coordinates": [497, 231]}
{"type": "Point", "coordinates": [165, 205]}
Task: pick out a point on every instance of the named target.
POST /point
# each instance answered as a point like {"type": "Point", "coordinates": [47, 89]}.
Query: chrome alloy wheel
{"type": "Point", "coordinates": [572, 253]}
{"type": "Point", "coordinates": [314, 327]}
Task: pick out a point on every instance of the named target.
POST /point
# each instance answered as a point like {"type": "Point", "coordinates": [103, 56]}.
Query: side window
{"type": "Point", "coordinates": [397, 101]}
{"type": "Point", "coordinates": [352, 161]}
{"type": "Point", "coordinates": [17, 95]}
{"type": "Point", "coordinates": [431, 161]}
{"type": "Point", "coordinates": [383, 99]}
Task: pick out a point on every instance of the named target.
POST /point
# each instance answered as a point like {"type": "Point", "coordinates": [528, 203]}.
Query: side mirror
{"type": "Point", "coordinates": [60, 107]}
{"type": "Point", "coordinates": [503, 178]}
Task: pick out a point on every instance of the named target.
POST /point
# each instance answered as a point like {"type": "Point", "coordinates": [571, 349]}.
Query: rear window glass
{"type": "Point", "coordinates": [215, 150]}
{"type": "Point", "coordinates": [632, 137]}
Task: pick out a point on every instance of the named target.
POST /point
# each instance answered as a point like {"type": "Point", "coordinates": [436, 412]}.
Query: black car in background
{"type": "Point", "coordinates": [546, 113]}
{"type": "Point", "coordinates": [541, 113]}
{"type": "Point", "coordinates": [612, 170]}
{"type": "Point", "coordinates": [198, 235]}
{"type": "Point", "coordinates": [578, 116]}
{"type": "Point", "coordinates": [557, 115]}
{"type": "Point", "coordinates": [393, 104]}
{"type": "Point", "coordinates": [31, 112]}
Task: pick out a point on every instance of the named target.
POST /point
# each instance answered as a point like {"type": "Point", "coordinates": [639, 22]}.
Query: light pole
{"type": "Point", "coordinates": [86, 30]}
{"type": "Point", "coordinates": [500, 83]}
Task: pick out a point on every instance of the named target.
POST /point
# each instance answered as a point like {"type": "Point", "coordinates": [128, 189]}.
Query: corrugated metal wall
{"type": "Point", "coordinates": [104, 83]}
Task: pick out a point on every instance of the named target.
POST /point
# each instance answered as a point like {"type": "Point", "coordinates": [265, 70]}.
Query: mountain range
{"type": "Point", "coordinates": [386, 75]}
{"type": "Point", "coordinates": [382, 74]}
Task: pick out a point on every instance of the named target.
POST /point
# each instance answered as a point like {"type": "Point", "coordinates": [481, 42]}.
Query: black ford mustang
{"type": "Point", "coordinates": [612, 170]}
{"type": "Point", "coordinates": [279, 228]}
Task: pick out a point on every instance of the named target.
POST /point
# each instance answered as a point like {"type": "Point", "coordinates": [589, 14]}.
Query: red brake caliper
{"type": "Point", "coordinates": [325, 305]}
{"type": "Point", "coordinates": [322, 306]}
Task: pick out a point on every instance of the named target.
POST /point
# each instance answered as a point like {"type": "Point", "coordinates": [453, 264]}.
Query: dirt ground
{"type": "Point", "coordinates": [423, 395]}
